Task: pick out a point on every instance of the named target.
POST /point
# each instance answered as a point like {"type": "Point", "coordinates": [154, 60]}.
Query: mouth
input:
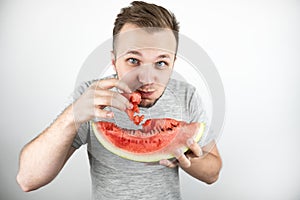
{"type": "Point", "coordinates": [146, 93]}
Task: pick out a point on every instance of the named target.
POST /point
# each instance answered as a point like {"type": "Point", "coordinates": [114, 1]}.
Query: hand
{"type": "Point", "coordinates": [184, 160]}
{"type": "Point", "coordinates": [92, 102]}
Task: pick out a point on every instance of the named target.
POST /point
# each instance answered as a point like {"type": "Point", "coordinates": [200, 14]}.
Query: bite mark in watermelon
{"type": "Point", "coordinates": [156, 140]}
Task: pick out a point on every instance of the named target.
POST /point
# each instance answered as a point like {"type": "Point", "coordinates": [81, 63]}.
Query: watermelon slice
{"type": "Point", "coordinates": [157, 140]}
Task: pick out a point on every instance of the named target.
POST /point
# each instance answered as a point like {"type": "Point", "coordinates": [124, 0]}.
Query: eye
{"type": "Point", "coordinates": [161, 64]}
{"type": "Point", "coordinates": [133, 61]}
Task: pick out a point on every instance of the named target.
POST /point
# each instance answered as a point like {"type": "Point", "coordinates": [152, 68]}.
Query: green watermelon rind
{"type": "Point", "coordinates": [142, 157]}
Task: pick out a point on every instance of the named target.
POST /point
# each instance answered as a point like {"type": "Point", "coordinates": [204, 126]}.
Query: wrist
{"type": "Point", "coordinates": [67, 120]}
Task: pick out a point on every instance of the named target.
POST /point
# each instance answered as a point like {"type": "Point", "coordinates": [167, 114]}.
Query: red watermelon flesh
{"type": "Point", "coordinates": [135, 99]}
{"type": "Point", "coordinates": [158, 139]}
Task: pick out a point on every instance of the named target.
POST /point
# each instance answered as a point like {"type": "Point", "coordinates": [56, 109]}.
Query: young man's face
{"type": "Point", "coordinates": [144, 59]}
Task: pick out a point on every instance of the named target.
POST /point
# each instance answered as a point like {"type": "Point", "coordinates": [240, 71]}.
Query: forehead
{"type": "Point", "coordinates": [133, 37]}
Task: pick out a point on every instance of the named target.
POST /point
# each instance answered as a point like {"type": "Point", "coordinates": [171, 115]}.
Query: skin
{"type": "Point", "coordinates": [143, 62]}
{"type": "Point", "coordinates": [144, 69]}
{"type": "Point", "coordinates": [203, 164]}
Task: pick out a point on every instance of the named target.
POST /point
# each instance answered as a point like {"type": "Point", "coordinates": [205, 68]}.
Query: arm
{"type": "Point", "coordinates": [203, 164]}
{"type": "Point", "coordinates": [205, 167]}
{"type": "Point", "coordinates": [43, 158]}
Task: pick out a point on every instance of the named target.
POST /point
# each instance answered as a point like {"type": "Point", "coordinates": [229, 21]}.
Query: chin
{"type": "Point", "coordinates": [150, 101]}
{"type": "Point", "coordinates": [147, 103]}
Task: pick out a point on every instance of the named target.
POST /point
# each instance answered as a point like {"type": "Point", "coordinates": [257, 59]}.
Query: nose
{"type": "Point", "coordinates": [146, 74]}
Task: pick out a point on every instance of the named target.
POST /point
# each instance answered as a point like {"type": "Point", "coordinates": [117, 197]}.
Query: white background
{"type": "Point", "coordinates": [255, 46]}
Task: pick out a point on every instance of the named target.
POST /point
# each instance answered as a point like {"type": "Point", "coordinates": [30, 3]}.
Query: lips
{"type": "Point", "coordinates": [146, 90]}
{"type": "Point", "coordinates": [146, 94]}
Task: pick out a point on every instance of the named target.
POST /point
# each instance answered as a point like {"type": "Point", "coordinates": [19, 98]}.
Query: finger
{"type": "Point", "coordinates": [102, 102]}
{"type": "Point", "coordinates": [194, 147]}
{"type": "Point", "coordinates": [121, 85]}
{"type": "Point", "coordinates": [127, 95]}
{"type": "Point", "coordinates": [110, 98]}
{"type": "Point", "coordinates": [110, 83]}
{"type": "Point", "coordinates": [99, 113]}
{"type": "Point", "coordinates": [168, 163]}
{"type": "Point", "coordinates": [182, 159]}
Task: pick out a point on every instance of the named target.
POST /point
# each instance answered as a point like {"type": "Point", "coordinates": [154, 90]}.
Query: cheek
{"type": "Point", "coordinates": [160, 88]}
{"type": "Point", "coordinates": [126, 73]}
{"type": "Point", "coordinates": [162, 77]}
{"type": "Point", "coordinates": [120, 68]}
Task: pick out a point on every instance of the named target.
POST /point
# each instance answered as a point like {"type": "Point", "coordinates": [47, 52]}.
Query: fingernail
{"type": "Point", "coordinates": [201, 152]}
{"type": "Point", "coordinates": [128, 90]}
{"type": "Point", "coordinates": [189, 142]}
{"type": "Point", "coordinates": [163, 162]}
{"type": "Point", "coordinates": [187, 164]}
{"type": "Point", "coordinates": [130, 106]}
{"type": "Point", "coordinates": [178, 153]}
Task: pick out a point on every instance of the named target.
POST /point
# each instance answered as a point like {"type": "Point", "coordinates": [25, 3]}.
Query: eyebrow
{"type": "Point", "coordinates": [133, 52]}
{"type": "Point", "coordinates": [140, 54]}
{"type": "Point", "coordinates": [164, 56]}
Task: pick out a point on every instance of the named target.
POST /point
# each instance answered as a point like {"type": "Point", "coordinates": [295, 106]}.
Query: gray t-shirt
{"type": "Point", "coordinates": [117, 178]}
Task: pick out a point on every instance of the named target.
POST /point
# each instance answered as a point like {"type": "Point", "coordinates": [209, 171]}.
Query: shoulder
{"type": "Point", "coordinates": [180, 91]}
{"type": "Point", "coordinates": [181, 87]}
{"type": "Point", "coordinates": [81, 87]}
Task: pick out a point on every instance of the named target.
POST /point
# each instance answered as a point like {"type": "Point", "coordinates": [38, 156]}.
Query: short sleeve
{"type": "Point", "coordinates": [81, 136]}
{"type": "Point", "coordinates": [198, 114]}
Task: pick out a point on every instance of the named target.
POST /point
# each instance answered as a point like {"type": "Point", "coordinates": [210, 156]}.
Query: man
{"type": "Point", "coordinates": [144, 52]}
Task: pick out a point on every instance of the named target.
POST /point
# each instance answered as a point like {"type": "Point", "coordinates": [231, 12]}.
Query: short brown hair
{"type": "Point", "coordinates": [145, 15]}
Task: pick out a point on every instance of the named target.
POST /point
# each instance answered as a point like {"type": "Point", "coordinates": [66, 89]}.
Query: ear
{"type": "Point", "coordinates": [113, 60]}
